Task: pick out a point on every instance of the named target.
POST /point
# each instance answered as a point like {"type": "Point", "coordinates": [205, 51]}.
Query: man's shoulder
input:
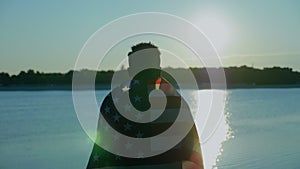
{"type": "Point", "coordinates": [114, 96]}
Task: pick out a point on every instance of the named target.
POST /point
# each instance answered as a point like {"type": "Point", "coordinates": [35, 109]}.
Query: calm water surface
{"type": "Point", "coordinates": [40, 130]}
{"type": "Point", "coordinates": [266, 127]}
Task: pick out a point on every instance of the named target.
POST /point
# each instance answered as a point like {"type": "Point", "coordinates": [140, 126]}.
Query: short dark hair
{"type": "Point", "coordinates": [141, 46]}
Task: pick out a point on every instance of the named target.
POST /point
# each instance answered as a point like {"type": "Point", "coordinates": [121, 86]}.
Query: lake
{"type": "Point", "coordinates": [259, 128]}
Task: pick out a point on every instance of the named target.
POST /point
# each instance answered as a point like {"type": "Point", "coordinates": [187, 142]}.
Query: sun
{"type": "Point", "coordinates": [215, 27]}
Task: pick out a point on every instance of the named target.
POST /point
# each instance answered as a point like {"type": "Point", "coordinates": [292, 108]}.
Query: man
{"type": "Point", "coordinates": [144, 68]}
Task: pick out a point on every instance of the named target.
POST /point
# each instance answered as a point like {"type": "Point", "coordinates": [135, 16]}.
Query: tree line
{"type": "Point", "coordinates": [235, 76]}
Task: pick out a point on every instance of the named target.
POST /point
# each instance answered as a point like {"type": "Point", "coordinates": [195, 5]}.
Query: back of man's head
{"type": "Point", "coordinates": [143, 56]}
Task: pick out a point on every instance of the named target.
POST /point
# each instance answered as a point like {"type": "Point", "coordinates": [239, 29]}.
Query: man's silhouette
{"type": "Point", "coordinates": [144, 68]}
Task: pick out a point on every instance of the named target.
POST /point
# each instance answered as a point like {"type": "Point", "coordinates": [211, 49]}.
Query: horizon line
{"type": "Point", "coordinates": [106, 70]}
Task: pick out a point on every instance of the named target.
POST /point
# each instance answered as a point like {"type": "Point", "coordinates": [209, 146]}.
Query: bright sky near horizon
{"type": "Point", "coordinates": [48, 35]}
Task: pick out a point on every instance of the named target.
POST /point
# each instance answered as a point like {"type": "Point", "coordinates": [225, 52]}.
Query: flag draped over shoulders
{"type": "Point", "coordinates": [184, 151]}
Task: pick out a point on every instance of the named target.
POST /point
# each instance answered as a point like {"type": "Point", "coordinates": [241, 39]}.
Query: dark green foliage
{"type": "Point", "coordinates": [235, 76]}
{"type": "Point", "coordinates": [266, 76]}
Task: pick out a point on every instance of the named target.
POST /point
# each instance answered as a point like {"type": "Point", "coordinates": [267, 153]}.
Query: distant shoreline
{"type": "Point", "coordinates": [235, 77]}
{"type": "Point", "coordinates": [107, 87]}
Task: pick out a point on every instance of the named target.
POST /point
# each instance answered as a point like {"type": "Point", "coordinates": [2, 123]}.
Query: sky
{"type": "Point", "coordinates": [48, 35]}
